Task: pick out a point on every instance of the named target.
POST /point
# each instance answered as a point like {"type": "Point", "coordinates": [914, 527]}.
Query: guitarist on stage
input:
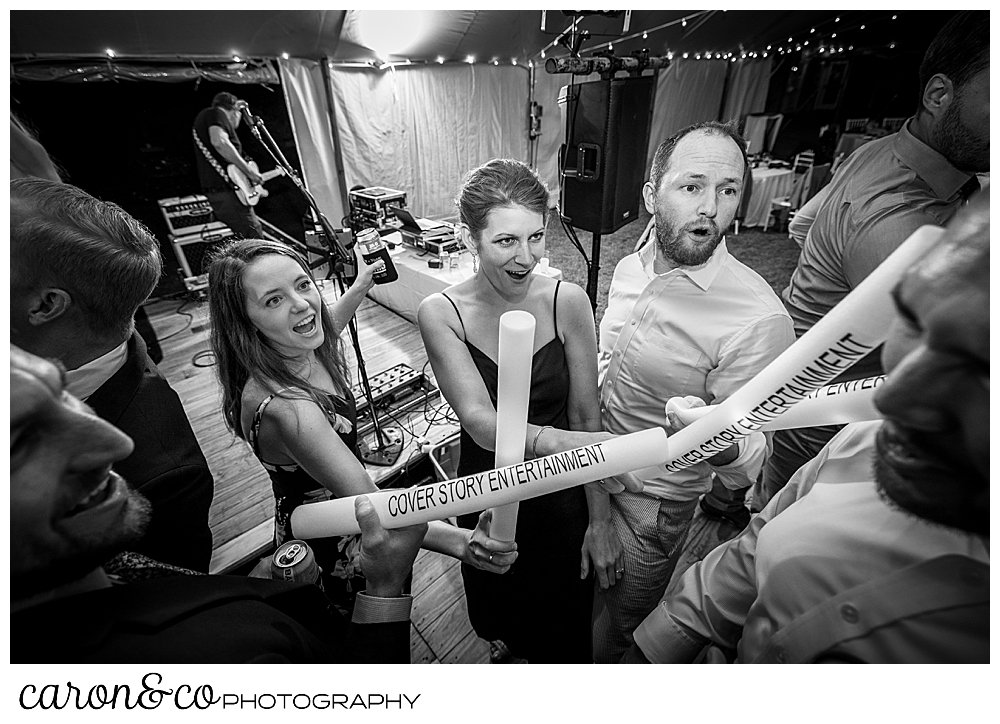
{"type": "Point", "coordinates": [216, 147]}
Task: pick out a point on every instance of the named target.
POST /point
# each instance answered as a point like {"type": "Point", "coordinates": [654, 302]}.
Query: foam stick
{"type": "Point", "coordinates": [529, 479]}
{"type": "Point", "coordinates": [517, 339]}
{"type": "Point", "coordinates": [850, 330]}
{"type": "Point", "coordinates": [837, 404]}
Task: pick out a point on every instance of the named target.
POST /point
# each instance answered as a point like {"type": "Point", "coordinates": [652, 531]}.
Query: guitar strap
{"type": "Point", "coordinates": [212, 161]}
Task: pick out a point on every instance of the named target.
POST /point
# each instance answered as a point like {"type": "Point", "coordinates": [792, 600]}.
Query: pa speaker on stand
{"type": "Point", "coordinates": [604, 159]}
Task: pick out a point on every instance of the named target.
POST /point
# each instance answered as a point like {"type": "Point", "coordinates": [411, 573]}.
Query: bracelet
{"type": "Point", "coordinates": [534, 443]}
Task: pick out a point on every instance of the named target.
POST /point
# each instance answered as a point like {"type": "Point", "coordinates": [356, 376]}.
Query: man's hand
{"type": "Point", "coordinates": [387, 555]}
{"type": "Point", "coordinates": [675, 424]}
{"type": "Point", "coordinates": [488, 553]}
{"type": "Point", "coordinates": [255, 178]}
{"type": "Point", "coordinates": [601, 545]}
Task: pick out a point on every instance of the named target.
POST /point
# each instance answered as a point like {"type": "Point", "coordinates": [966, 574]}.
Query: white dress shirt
{"type": "Point", "coordinates": [86, 379]}
{"type": "Point", "coordinates": [815, 571]}
{"type": "Point", "coordinates": [703, 331]}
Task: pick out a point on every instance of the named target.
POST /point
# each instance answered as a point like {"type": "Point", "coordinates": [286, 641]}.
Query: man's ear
{"type": "Point", "coordinates": [48, 305]}
{"type": "Point", "coordinates": [938, 94]}
{"type": "Point", "coordinates": [649, 196]}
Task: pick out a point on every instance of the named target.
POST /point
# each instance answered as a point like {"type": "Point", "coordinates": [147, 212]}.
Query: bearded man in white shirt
{"type": "Point", "coordinates": [684, 319]}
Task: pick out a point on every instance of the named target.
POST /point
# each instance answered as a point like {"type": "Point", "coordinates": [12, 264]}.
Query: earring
{"type": "Point", "coordinates": [475, 262]}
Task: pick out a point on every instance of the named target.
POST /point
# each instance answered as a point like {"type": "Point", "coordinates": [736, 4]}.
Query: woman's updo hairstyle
{"type": "Point", "coordinates": [502, 182]}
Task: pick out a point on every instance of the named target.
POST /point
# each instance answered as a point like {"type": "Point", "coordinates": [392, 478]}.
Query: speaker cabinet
{"type": "Point", "coordinates": [604, 163]}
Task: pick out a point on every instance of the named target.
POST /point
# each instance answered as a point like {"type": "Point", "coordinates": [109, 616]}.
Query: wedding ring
{"type": "Point", "coordinates": [620, 571]}
{"type": "Point", "coordinates": [491, 557]}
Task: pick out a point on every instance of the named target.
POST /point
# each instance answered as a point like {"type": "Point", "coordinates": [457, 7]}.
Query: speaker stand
{"type": "Point", "coordinates": [593, 270]}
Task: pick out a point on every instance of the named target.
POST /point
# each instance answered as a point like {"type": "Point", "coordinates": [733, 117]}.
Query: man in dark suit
{"type": "Point", "coordinates": [80, 268]}
{"type": "Point", "coordinates": [70, 512]}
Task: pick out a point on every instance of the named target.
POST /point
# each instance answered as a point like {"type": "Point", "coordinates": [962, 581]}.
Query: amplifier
{"type": "Point", "coordinates": [183, 212]}
{"type": "Point", "coordinates": [369, 207]}
{"type": "Point", "coordinates": [193, 247]}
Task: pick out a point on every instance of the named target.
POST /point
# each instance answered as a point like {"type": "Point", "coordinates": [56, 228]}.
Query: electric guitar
{"type": "Point", "coordinates": [249, 193]}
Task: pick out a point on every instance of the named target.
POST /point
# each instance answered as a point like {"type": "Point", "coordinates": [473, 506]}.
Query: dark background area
{"type": "Point", "coordinates": [130, 143]}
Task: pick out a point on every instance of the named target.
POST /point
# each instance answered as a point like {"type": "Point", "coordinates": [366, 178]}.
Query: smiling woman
{"type": "Point", "coordinates": [286, 391]}
{"type": "Point", "coordinates": [541, 611]}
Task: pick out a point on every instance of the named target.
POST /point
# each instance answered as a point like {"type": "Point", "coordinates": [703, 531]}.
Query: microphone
{"type": "Point", "coordinates": [248, 117]}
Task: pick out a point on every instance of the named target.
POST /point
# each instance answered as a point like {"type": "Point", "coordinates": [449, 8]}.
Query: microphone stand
{"type": "Point", "coordinates": [389, 440]}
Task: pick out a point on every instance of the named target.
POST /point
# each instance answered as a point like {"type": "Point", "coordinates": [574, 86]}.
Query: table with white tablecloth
{"type": "Point", "coordinates": [768, 183]}
{"type": "Point", "coordinates": [417, 280]}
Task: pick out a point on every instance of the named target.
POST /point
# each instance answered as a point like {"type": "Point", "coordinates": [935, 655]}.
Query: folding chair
{"type": "Point", "coordinates": [855, 125]}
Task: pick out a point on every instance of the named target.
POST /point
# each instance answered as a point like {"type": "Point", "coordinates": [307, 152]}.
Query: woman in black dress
{"type": "Point", "coordinates": [286, 391]}
{"type": "Point", "coordinates": [541, 609]}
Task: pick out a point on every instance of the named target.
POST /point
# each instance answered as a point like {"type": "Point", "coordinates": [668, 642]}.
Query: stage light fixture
{"type": "Point", "coordinates": [470, 59]}
{"type": "Point", "coordinates": [440, 59]}
{"type": "Point", "coordinates": [285, 56]}
{"type": "Point", "coordinates": [110, 52]}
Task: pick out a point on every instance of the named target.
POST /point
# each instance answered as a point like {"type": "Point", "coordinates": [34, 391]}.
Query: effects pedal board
{"type": "Point", "coordinates": [397, 390]}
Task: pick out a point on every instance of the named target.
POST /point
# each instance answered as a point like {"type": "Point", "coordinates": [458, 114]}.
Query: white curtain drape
{"type": "Point", "coordinates": [420, 130]}
{"type": "Point", "coordinates": [746, 92]}
{"type": "Point", "coordinates": [689, 91]}
{"type": "Point", "coordinates": [305, 98]}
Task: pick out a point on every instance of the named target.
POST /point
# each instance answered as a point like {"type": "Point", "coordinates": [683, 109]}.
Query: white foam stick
{"type": "Point", "coordinates": [529, 479]}
{"type": "Point", "coordinates": [846, 334]}
{"type": "Point", "coordinates": [836, 404]}
{"type": "Point", "coordinates": [517, 339]}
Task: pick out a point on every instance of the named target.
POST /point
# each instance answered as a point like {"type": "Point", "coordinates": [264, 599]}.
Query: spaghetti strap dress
{"type": "Point", "coordinates": [292, 486]}
{"type": "Point", "coordinates": [540, 608]}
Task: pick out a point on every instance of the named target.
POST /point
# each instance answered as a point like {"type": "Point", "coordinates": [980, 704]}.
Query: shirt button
{"type": "Point", "coordinates": [780, 656]}
{"type": "Point", "coordinates": [633, 322]}
{"type": "Point", "coordinates": [849, 613]}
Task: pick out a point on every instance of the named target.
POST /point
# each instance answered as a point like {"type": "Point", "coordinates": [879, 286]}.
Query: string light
{"type": "Point", "coordinates": [824, 46]}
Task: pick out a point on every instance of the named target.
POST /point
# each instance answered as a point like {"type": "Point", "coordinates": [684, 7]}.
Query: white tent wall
{"type": "Point", "coordinates": [746, 92]}
{"type": "Point", "coordinates": [306, 100]}
{"type": "Point", "coordinates": [421, 129]}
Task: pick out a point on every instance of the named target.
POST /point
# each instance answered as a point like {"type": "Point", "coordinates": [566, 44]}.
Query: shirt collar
{"type": "Point", "coordinates": [702, 275]}
{"type": "Point", "coordinates": [86, 379]}
{"type": "Point", "coordinates": [944, 179]}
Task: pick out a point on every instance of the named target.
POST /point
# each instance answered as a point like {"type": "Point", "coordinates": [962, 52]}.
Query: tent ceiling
{"type": "Point", "coordinates": [455, 34]}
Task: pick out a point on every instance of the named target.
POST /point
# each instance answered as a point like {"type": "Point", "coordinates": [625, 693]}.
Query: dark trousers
{"type": "Point", "coordinates": [791, 450]}
{"type": "Point", "coordinates": [239, 218]}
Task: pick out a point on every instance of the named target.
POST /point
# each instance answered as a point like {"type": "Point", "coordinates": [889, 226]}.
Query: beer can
{"type": "Point", "coordinates": [295, 561]}
{"type": "Point", "coordinates": [373, 250]}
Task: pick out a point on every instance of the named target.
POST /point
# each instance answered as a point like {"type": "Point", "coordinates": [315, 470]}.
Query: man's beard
{"type": "Point", "coordinates": [83, 556]}
{"type": "Point", "coordinates": [917, 480]}
{"type": "Point", "coordinates": [671, 241]}
{"type": "Point", "coordinates": [958, 144]}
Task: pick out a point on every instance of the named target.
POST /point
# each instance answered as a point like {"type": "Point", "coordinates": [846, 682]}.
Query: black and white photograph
{"type": "Point", "coordinates": [409, 336]}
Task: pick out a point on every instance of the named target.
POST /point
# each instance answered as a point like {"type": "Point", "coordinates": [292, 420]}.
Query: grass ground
{"type": "Point", "coordinates": [771, 254]}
